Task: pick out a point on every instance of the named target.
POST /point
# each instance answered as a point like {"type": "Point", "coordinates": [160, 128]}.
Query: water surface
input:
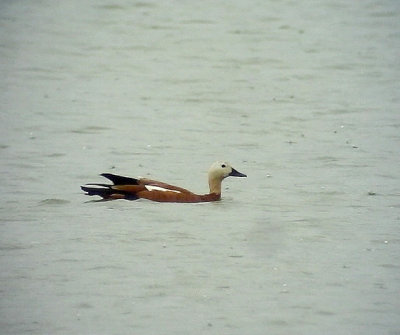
{"type": "Point", "coordinates": [303, 98]}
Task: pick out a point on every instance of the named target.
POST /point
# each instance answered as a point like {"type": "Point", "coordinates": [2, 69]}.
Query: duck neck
{"type": "Point", "coordinates": [215, 185]}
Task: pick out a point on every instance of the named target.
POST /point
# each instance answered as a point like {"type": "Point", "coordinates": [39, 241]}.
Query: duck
{"type": "Point", "coordinates": [142, 188]}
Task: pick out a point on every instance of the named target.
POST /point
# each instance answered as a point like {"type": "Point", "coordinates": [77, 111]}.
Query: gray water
{"type": "Point", "coordinates": [303, 97]}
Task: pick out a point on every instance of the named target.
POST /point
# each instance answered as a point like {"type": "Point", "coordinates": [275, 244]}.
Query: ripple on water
{"type": "Point", "coordinates": [13, 247]}
{"type": "Point", "coordinates": [53, 202]}
{"type": "Point", "coordinates": [90, 130]}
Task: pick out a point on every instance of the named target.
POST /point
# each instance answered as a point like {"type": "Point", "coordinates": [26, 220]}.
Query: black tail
{"type": "Point", "coordinates": [106, 192]}
{"type": "Point", "coordinates": [120, 180]}
{"type": "Point", "coordinates": [94, 189]}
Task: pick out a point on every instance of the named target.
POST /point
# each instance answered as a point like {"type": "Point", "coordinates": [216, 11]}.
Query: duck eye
{"type": "Point", "coordinates": [223, 166]}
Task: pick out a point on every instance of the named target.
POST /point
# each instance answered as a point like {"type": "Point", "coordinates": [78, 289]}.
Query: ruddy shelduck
{"type": "Point", "coordinates": [143, 188]}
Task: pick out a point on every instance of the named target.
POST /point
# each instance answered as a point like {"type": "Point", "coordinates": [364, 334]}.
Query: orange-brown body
{"type": "Point", "coordinates": [143, 188]}
{"type": "Point", "coordinates": [171, 194]}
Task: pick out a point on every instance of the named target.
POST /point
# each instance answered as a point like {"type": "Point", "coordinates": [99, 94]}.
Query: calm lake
{"type": "Point", "coordinates": [303, 97]}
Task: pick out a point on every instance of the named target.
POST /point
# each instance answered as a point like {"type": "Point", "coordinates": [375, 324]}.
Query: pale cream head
{"type": "Point", "coordinates": [219, 171]}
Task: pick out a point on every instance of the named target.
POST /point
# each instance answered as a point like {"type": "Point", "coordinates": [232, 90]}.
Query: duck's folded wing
{"type": "Point", "coordinates": [129, 189]}
{"type": "Point", "coordinates": [151, 182]}
{"type": "Point", "coordinates": [120, 180]}
{"type": "Point", "coordinates": [157, 191]}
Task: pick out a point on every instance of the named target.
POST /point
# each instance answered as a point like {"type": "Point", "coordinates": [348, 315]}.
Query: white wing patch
{"type": "Point", "coordinates": [100, 187]}
{"type": "Point", "coordinates": [158, 188]}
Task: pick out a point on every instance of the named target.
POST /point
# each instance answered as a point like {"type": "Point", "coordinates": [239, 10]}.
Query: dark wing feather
{"type": "Point", "coordinates": [120, 180]}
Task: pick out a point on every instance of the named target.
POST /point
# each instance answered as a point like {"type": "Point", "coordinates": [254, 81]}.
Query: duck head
{"type": "Point", "coordinates": [218, 172]}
